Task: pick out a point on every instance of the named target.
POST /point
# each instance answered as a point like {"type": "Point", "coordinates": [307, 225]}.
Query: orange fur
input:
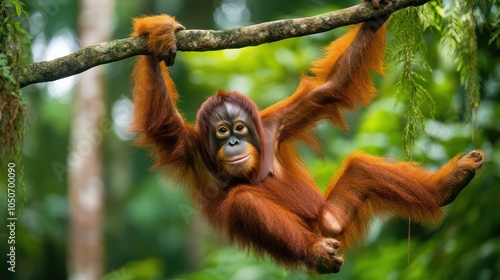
{"type": "Point", "coordinates": [159, 30]}
{"type": "Point", "coordinates": [275, 208]}
{"type": "Point", "coordinates": [367, 184]}
{"type": "Point", "coordinates": [318, 97]}
{"type": "Point", "coordinates": [243, 171]}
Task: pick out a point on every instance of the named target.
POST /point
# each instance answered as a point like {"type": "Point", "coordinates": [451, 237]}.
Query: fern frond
{"type": "Point", "coordinates": [408, 27]}
{"type": "Point", "coordinates": [431, 15]}
{"type": "Point", "coordinates": [459, 37]}
{"type": "Point", "coordinates": [495, 27]}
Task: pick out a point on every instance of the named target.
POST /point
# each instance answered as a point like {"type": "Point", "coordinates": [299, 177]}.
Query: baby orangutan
{"type": "Point", "coordinates": [245, 174]}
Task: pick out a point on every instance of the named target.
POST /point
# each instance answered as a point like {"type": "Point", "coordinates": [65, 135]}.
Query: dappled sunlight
{"type": "Point", "coordinates": [122, 117]}
{"type": "Point", "coordinates": [232, 13]}
{"type": "Point", "coordinates": [63, 43]}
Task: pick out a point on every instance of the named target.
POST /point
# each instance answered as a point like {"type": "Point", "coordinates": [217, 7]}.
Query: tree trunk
{"type": "Point", "coordinates": [86, 185]}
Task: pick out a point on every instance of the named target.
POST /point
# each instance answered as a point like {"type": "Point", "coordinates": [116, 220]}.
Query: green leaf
{"type": "Point", "coordinates": [459, 36]}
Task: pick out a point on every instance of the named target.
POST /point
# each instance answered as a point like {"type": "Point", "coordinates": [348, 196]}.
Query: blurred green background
{"type": "Point", "coordinates": [151, 229]}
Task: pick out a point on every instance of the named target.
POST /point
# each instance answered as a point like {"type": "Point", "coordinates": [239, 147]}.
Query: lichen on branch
{"type": "Point", "coordinates": [205, 40]}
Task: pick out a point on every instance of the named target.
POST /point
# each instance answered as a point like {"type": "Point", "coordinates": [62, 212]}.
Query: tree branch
{"type": "Point", "coordinates": [205, 40]}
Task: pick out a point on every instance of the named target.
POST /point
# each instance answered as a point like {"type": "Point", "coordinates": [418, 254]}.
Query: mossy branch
{"type": "Point", "coordinates": [205, 40]}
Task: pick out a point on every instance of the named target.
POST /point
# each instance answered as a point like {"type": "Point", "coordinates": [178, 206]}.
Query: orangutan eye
{"type": "Point", "coordinates": [222, 131]}
{"type": "Point", "coordinates": [240, 128]}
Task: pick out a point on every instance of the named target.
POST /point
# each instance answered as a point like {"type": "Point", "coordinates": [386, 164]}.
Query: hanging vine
{"type": "Point", "coordinates": [459, 21]}
{"type": "Point", "coordinates": [407, 49]}
{"type": "Point", "coordinates": [459, 37]}
{"type": "Point", "coordinates": [12, 107]}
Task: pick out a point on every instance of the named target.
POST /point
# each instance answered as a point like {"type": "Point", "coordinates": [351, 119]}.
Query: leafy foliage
{"type": "Point", "coordinates": [459, 37]}
{"type": "Point", "coordinates": [407, 48]}
{"type": "Point", "coordinates": [12, 107]}
{"type": "Point", "coordinates": [495, 27]}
